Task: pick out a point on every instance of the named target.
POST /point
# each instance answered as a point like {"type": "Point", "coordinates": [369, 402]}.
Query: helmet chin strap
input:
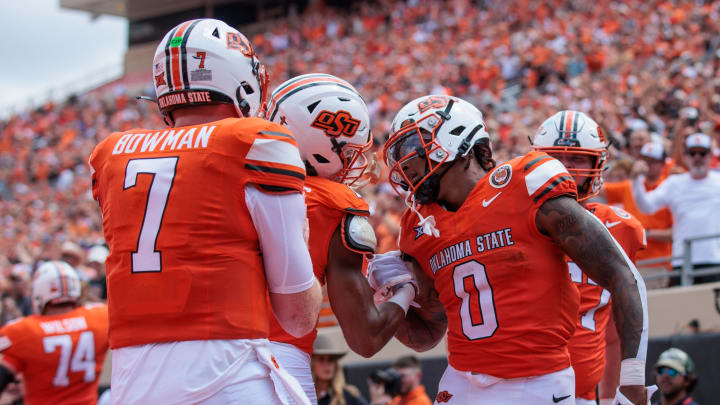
{"type": "Point", "coordinates": [427, 193]}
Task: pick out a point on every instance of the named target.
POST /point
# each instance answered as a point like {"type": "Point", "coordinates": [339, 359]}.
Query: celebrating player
{"type": "Point", "coordinates": [578, 142]}
{"type": "Point", "coordinates": [332, 126]}
{"type": "Point", "coordinates": [487, 245]}
{"type": "Point", "coordinates": [202, 219]}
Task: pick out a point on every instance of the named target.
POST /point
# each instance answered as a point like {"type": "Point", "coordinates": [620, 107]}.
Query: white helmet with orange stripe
{"type": "Point", "coordinates": [571, 137]}
{"type": "Point", "coordinates": [54, 282]}
{"type": "Point", "coordinates": [206, 61]}
{"type": "Point", "coordinates": [330, 121]}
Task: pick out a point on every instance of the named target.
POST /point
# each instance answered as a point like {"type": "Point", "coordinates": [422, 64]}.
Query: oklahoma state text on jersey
{"type": "Point", "coordinates": [328, 203]}
{"type": "Point", "coordinates": [510, 303]}
{"type": "Point", "coordinates": [182, 242]}
{"type": "Point", "coordinates": [60, 356]}
{"type": "Point", "coordinates": [587, 345]}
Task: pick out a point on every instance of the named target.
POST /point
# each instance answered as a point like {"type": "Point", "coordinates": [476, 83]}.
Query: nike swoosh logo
{"type": "Point", "coordinates": [609, 224]}
{"type": "Point", "coordinates": [488, 202]}
{"type": "Point", "coordinates": [556, 399]}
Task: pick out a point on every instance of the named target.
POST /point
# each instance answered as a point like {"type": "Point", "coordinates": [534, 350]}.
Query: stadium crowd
{"type": "Point", "coordinates": [643, 68]}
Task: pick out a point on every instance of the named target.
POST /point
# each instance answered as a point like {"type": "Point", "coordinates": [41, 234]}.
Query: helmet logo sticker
{"type": "Point", "coordinates": [501, 176]}
{"type": "Point", "coordinates": [336, 123]}
{"type": "Point", "coordinates": [240, 43]}
{"type": "Point", "coordinates": [201, 57]}
{"type": "Point", "coordinates": [201, 74]}
{"type": "Point", "coordinates": [432, 102]}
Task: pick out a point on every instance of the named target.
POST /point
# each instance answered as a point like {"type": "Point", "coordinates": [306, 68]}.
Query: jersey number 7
{"type": "Point", "coordinates": [146, 258]}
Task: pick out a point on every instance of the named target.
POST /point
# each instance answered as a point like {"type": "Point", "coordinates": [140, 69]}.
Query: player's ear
{"type": "Point", "coordinates": [483, 154]}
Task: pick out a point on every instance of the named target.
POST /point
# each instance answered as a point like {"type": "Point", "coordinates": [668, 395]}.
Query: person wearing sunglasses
{"type": "Point", "coordinates": [675, 378]}
{"type": "Point", "coordinates": [692, 198]}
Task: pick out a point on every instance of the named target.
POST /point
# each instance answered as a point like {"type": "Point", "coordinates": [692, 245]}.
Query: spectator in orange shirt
{"type": "Point", "coordinates": [411, 391]}
{"type": "Point", "coordinates": [658, 226]}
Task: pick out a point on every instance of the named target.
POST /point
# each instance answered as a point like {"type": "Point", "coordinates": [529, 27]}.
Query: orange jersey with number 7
{"type": "Point", "coordinates": [185, 261]}
{"type": "Point", "coordinates": [509, 300]}
{"type": "Point", "coordinates": [587, 346]}
{"type": "Point", "coordinates": [59, 356]}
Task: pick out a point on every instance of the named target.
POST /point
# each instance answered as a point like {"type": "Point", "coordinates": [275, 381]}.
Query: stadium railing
{"type": "Point", "coordinates": [686, 272]}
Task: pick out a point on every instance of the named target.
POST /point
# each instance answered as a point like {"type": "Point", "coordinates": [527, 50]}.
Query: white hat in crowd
{"type": "Point", "coordinates": [698, 140]}
{"type": "Point", "coordinates": [653, 150]}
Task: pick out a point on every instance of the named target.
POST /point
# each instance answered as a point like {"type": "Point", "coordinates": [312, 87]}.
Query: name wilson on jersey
{"type": "Point", "coordinates": [171, 139]}
{"type": "Point", "coordinates": [458, 251]}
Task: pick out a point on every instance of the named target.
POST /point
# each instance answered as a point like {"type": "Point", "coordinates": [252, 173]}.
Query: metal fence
{"type": "Point", "coordinates": [686, 272]}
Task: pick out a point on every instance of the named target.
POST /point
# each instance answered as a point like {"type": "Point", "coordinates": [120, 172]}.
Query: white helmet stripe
{"type": "Point", "coordinates": [63, 283]}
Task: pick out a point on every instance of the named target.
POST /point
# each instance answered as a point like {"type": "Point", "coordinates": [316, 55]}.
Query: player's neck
{"type": "Point", "coordinates": [203, 114]}
{"type": "Point", "coordinates": [460, 181]}
{"type": "Point", "coordinates": [59, 309]}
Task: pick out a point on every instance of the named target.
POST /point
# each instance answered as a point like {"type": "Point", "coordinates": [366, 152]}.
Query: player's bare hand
{"type": "Point", "coordinates": [639, 168]}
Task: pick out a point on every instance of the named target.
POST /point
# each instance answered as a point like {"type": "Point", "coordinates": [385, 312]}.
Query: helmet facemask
{"type": "Point", "coordinates": [413, 142]}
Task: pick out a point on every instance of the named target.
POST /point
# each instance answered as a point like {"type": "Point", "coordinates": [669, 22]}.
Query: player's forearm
{"type": "Point", "coordinates": [423, 328]}
{"type": "Point", "coordinates": [367, 329]}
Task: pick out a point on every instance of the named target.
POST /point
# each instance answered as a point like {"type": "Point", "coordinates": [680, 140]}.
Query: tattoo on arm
{"type": "Point", "coordinates": [591, 247]}
{"type": "Point", "coordinates": [424, 327]}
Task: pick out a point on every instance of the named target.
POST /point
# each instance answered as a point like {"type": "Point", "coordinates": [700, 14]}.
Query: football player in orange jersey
{"type": "Point", "coordinates": [578, 142]}
{"type": "Point", "coordinates": [60, 349]}
{"type": "Point", "coordinates": [203, 219]}
{"type": "Point", "coordinates": [332, 126]}
{"type": "Point", "coordinates": [487, 246]}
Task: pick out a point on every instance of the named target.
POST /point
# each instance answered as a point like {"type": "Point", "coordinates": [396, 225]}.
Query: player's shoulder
{"type": "Point", "coordinates": [535, 174]}
{"type": "Point", "coordinates": [334, 195]}
{"type": "Point", "coordinates": [612, 216]}
{"type": "Point", "coordinates": [17, 330]}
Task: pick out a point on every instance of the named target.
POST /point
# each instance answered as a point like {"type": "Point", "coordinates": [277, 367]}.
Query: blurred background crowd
{"type": "Point", "coordinates": [647, 71]}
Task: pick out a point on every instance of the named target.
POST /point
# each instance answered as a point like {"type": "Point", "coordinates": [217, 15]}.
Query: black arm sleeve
{"type": "Point", "coordinates": [6, 377]}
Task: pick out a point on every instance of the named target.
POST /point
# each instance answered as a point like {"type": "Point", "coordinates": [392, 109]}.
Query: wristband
{"type": "Point", "coordinates": [632, 372]}
{"type": "Point", "coordinates": [403, 297]}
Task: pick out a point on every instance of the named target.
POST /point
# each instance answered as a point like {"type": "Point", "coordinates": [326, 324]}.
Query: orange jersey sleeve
{"type": "Point", "coordinates": [508, 297]}
{"type": "Point", "coordinates": [587, 346]}
{"type": "Point", "coordinates": [328, 203]}
{"type": "Point", "coordinates": [181, 238]}
{"type": "Point", "coordinates": [620, 195]}
{"type": "Point", "coordinates": [60, 356]}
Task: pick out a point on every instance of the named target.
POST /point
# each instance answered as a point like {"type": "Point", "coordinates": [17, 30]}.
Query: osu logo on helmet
{"type": "Point", "coordinates": [336, 123]}
{"type": "Point", "coordinates": [432, 102]}
{"type": "Point", "coordinates": [443, 396]}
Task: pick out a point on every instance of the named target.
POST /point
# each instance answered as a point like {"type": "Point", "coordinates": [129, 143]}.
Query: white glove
{"type": "Point", "coordinates": [621, 399]}
{"type": "Point", "coordinates": [387, 272]}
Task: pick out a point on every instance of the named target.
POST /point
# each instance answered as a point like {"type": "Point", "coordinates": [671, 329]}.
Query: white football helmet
{"type": "Point", "coordinates": [436, 128]}
{"type": "Point", "coordinates": [574, 133]}
{"type": "Point", "coordinates": [206, 61]}
{"type": "Point", "coordinates": [54, 282]}
{"type": "Point", "coordinates": [330, 122]}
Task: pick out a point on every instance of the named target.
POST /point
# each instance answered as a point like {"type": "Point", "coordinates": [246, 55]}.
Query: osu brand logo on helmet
{"type": "Point", "coordinates": [336, 123]}
{"type": "Point", "coordinates": [432, 102]}
{"type": "Point", "coordinates": [240, 43]}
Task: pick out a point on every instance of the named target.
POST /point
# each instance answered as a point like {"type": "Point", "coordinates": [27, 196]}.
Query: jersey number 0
{"type": "Point", "coordinates": [477, 310]}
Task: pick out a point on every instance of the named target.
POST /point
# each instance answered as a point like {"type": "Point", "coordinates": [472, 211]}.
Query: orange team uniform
{"type": "Point", "coordinates": [620, 194]}
{"type": "Point", "coordinates": [587, 346]}
{"type": "Point", "coordinates": [60, 356]}
{"type": "Point", "coordinates": [328, 206]}
{"type": "Point", "coordinates": [510, 303]}
{"type": "Point", "coordinates": [182, 241]}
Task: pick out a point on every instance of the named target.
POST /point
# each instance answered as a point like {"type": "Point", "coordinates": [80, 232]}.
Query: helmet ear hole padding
{"type": "Point", "coordinates": [242, 103]}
